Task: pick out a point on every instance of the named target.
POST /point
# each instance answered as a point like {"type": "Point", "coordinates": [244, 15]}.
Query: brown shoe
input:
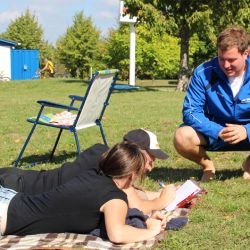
{"type": "Point", "coordinates": [208, 175]}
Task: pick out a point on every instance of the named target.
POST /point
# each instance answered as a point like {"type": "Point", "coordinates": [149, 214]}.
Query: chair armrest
{"type": "Point", "coordinates": [56, 105]}
{"type": "Point", "coordinates": [76, 97]}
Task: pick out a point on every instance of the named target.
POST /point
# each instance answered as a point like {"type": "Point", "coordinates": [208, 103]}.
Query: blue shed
{"type": "Point", "coordinates": [24, 64]}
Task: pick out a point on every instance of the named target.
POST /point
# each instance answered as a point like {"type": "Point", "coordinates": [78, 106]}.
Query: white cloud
{"type": "Point", "coordinates": [111, 2]}
{"type": "Point", "coordinates": [7, 16]}
{"type": "Point", "coordinates": [106, 14]}
{"type": "Point", "coordinates": [55, 16]}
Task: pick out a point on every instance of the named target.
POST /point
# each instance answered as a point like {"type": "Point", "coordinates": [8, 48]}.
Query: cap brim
{"type": "Point", "coordinates": [157, 153]}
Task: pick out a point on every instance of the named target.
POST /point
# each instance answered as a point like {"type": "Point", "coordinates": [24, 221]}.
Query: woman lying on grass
{"type": "Point", "coordinates": [81, 204]}
{"type": "Point", "coordinates": [35, 182]}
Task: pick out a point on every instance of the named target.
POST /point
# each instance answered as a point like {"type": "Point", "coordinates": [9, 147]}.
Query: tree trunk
{"type": "Point", "coordinates": [183, 77]}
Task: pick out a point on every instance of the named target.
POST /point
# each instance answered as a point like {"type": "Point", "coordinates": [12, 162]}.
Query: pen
{"type": "Point", "coordinates": [162, 184]}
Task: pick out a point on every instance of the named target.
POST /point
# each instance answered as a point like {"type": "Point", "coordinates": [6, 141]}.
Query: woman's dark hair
{"type": "Point", "coordinates": [123, 159]}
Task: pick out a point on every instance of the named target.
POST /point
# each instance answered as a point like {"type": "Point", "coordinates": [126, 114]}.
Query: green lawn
{"type": "Point", "coordinates": [220, 221]}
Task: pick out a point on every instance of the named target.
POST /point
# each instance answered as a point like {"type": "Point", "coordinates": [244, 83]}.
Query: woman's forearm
{"type": "Point", "coordinates": [115, 212]}
{"type": "Point", "coordinates": [129, 234]}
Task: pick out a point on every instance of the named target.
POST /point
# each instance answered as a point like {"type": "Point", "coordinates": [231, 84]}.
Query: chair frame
{"type": "Point", "coordinates": [72, 128]}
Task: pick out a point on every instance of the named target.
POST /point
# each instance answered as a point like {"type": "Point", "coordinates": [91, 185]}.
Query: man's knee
{"type": "Point", "coordinates": [181, 134]}
{"type": "Point", "coordinates": [185, 137]}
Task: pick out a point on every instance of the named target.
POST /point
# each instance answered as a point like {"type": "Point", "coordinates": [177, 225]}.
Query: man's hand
{"type": "Point", "coordinates": [233, 133]}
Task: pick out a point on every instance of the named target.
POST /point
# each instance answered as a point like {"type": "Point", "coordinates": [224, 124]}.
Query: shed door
{"type": "Point", "coordinates": [5, 61]}
{"type": "Point", "coordinates": [24, 64]}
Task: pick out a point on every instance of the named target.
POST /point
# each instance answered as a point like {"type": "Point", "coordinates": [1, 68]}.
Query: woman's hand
{"type": "Point", "coordinates": [161, 217]}
{"type": "Point", "coordinates": [154, 225]}
{"type": "Point", "coordinates": [167, 195]}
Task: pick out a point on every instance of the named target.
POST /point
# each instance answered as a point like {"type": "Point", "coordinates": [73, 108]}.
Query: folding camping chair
{"type": "Point", "coordinates": [89, 114]}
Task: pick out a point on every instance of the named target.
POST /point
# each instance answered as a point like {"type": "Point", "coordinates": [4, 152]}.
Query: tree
{"type": "Point", "coordinates": [118, 51]}
{"type": "Point", "coordinates": [78, 48]}
{"type": "Point", "coordinates": [26, 31]}
{"type": "Point", "coordinates": [189, 17]}
{"type": "Point", "coordinates": [100, 59]}
{"type": "Point", "coordinates": [157, 56]}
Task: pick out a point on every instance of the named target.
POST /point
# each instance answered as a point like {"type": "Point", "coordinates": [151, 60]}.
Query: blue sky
{"type": "Point", "coordinates": [56, 15]}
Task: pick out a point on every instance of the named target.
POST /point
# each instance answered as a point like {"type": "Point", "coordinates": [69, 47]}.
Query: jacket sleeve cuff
{"type": "Point", "coordinates": [216, 132]}
{"type": "Point", "coordinates": [247, 126]}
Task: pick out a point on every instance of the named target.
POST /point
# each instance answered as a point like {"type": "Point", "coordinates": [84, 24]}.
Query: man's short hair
{"type": "Point", "coordinates": [233, 37]}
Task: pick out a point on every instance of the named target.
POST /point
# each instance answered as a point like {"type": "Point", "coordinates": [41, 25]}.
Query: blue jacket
{"type": "Point", "coordinates": [209, 101]}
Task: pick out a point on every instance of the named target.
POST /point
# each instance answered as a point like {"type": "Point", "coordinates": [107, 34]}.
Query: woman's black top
{"type": "Point", "coordinates": [71, 207]}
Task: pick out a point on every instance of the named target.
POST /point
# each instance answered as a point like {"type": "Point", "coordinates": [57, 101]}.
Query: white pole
{"type": "Point", "coordinates": [90, 73]}
{"type": "Point", "coordinates": [132, 55]}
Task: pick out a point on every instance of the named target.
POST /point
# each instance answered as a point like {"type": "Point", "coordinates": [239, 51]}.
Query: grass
{"type": "Point", "coordinates": [220, 221]}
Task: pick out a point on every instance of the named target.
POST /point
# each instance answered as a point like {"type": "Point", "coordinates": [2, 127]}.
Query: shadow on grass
{"type": "Point", "coordinates": [70, 80]}
{"type": "Point", "coordinates": [158, 88]}
{"type": "Point", "coordinates": [181, 174]}
{"type": "Point", "coordinates": [32, 160]}
{"type": "Point", "coordinates": [141, 88]}
{"type": "Point", "coordinates": [144, 89]}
